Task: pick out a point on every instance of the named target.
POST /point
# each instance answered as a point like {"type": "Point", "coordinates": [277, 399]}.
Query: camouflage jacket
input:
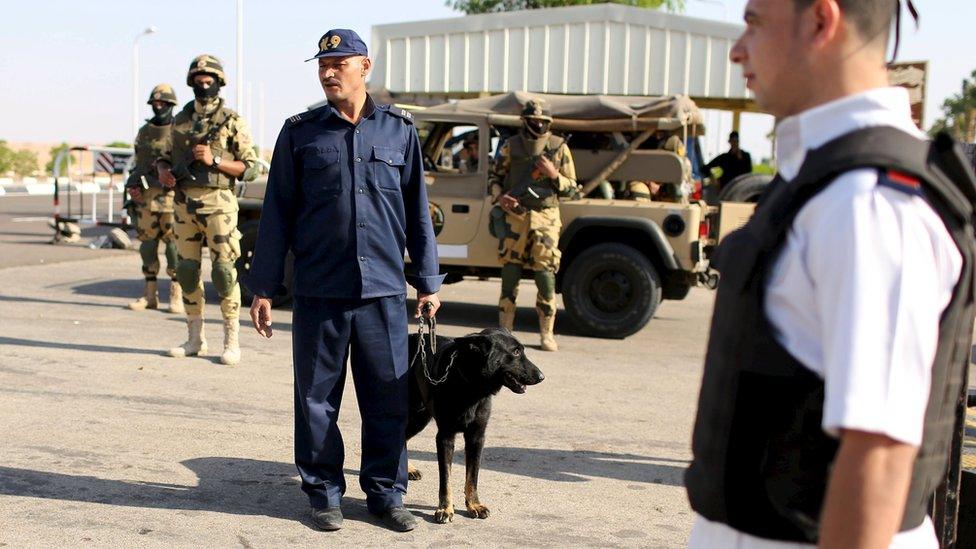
{"type": "Point", "coordinates": [232, 141]}
{"type": "Point", "coordinates": [515, 168]}
{"type": "Point", "coordinates": [150, 142]}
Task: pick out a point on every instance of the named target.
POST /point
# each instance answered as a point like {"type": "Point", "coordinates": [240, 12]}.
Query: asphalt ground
{"type": "Point", "coordinates": [25, 237]}
{"type": "Point", "coordinates": [107, 442]}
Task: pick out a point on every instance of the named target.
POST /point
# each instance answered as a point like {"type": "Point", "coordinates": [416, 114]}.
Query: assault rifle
{"type": "Point", "coordinates": [182, 170]}
{"type": "Point", "coordinates": [523, 187]}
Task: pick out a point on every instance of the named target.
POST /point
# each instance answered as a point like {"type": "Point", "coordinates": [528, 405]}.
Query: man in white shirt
{"type": "Point", "coordinates": [854, 295]}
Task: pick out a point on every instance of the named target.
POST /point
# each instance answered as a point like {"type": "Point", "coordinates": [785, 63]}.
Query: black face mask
{"type": "Point", "coordinates": [535, 127]}
{"type": "Point", "coordinates": [162, 115]}
{"type": "Point", "coordinates": [202, 93]}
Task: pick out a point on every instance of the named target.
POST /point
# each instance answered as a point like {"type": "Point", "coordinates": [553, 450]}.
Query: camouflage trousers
{"type": "Point", "coordinates": [153, 219]}
{"type": "Point", "coordinates": [224, 241]}
{"type": "Point", "coordinates": [531, 241]}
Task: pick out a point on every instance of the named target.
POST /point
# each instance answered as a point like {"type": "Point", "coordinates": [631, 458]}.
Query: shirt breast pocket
{"type": "Point", "coordinates": [320, 173]}
{"type": "Point", "coordinates": [387, 165]}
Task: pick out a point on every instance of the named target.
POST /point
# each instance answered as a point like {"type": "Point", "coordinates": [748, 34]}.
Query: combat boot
{"type": "Point", "coordinates": [196, 344]}
{"type": "Point", "coordinates": [506, 314]}
{"type": "Point", "coordinates": [149, 300]}
{"type": "Point", "coordinates": [232, 348]}
{"type": "Point", "coordinates": [546, 324]}
{"type": "Point", "coordinates": [176, 297]}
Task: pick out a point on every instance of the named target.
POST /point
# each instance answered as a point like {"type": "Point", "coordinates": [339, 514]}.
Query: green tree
{"type": "Point", "coordinates": [959, 112]}
{"type": "Point", "coordinates": [120, 144]}
{"type": "Point", "coordinates": [49, 167]}
{"type": "Point", "coordinates": [24, 162]}
{"type": "Point", "coordinates": [471, 7]}
{"type": "Point", "coordinates": [6, 158]}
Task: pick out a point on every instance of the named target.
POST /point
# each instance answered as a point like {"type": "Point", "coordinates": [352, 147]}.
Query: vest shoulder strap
{"type": "Point", "coordinates": [904, 162]}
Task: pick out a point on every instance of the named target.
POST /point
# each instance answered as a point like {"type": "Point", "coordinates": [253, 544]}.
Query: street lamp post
{"type": "Point", "coordinates": [135, 78]}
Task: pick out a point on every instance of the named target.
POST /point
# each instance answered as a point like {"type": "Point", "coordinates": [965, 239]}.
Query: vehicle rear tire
{"type": "Point", "coordinates": [611, 290]}
{"type": "Point", "coordinates": [249, 237]}
{"type": "Point", "coordinates": [745, 188]}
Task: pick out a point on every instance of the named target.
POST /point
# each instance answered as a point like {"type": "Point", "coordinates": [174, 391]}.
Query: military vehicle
{"type": "Point", "coordinates": [620, 257]}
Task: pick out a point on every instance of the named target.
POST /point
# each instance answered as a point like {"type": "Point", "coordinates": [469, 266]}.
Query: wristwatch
{"type": "Point", "coordinates": [216, 162]}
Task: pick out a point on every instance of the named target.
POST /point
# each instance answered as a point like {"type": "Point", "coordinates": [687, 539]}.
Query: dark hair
{"type": "Point", "coordinates": [733, 135]}
{"type": "Point", "coordinates": [872, 18]}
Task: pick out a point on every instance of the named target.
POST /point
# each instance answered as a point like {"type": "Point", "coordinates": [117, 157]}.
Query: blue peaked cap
{"type": "Point", "coordinates": [340, 43]}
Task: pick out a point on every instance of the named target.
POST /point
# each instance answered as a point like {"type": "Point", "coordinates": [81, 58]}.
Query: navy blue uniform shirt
{"type": "Point", "coordinates": [347, 199]}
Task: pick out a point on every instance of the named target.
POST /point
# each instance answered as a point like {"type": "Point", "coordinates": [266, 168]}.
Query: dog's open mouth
{"type": "Point", "coordinates": [515, 385]}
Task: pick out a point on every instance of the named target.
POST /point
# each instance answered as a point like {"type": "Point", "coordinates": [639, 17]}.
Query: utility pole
{"type": "Point", "coordinates": [240, 58]}
{"type": "Point", "coordinates": [135, 78]}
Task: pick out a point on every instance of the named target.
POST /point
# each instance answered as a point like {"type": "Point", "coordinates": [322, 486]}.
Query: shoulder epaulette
{"type": "Point", "coordinates": [398, 112]}
{"type": "Point", "coordinates": [307, 115]}
{"type": "Point", "coordinates": [900, 181]}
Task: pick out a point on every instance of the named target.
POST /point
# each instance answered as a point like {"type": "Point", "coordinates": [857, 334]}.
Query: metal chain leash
{"type": "Point", "coordinates": [428, 325]}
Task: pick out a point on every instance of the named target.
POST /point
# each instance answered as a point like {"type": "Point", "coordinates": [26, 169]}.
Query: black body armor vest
{"type": "Point", "coordinates": [761, 459]}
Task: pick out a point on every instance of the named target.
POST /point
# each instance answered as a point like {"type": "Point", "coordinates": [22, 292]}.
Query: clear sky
{"type": "Point", "coordinates": [66, 66]}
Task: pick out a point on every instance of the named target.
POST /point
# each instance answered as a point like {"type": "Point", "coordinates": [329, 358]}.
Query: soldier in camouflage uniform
{"type": "Point", "coordinates": [152, 205]}
{"type": "Point", "coordinates": [533, 170]}
{"type": "Point", "coordinates": [210, 150]}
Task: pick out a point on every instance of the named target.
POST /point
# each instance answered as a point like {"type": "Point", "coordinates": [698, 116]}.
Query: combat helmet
{"type": "Point", "coordinates": [164, 93]}
{"type": "Point", "coordinates": [536, 110]}
{"type": "Point", "coordinates": [206, 64]}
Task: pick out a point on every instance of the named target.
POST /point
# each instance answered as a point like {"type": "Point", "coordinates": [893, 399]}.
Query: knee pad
{"type": "Point", "coordinates": [172, 257]}
{"type": "Point", "coordinates": [188, 274]}
{"type": "Point", "coordinates": [511, 275]}
{"type": "Point", "coordinates": [545, 281]}
{"type": "Point", "coordinates": [224, 276]}
{"type": "Point", "coordinates": [148, 250]}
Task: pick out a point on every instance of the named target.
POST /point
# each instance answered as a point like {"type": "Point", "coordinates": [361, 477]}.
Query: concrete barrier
{"type": "Point", "coordinates": [89, 187]}
{"type": "Point", "coordinates": [39, 188]}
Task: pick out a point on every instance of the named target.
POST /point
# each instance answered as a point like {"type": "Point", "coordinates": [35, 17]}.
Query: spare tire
{"type": "Point", "coordinates": [747, 187]}
{"type": "Point", "coordinates": [119, 239]}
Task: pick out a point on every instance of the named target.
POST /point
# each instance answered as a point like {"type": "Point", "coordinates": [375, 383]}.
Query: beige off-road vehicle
{"type": "Point", "coordinates": [620, 257]}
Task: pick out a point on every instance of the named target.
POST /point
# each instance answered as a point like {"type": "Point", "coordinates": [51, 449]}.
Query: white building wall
{"type": "Point", "coordinates": [599, 49]}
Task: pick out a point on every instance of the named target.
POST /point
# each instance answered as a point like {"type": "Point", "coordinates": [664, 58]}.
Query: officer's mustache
{"type": "Point", "coordinates": [331, 82]}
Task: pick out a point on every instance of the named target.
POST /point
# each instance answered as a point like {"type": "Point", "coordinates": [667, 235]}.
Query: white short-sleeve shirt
{"type": "Point", "coordinates": [857, 293]}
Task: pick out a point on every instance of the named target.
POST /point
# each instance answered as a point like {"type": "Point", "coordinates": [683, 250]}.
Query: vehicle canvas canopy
{"type": "Point", "coordinates": [605, 113]}
{"type": "Point", "coordinates": [610, 135]}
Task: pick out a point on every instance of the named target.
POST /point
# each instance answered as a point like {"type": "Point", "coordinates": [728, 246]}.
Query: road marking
{"type": "Point", "coordinates": [30, 219]}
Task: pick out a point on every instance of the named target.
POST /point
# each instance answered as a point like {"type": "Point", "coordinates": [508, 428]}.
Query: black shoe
{"type": "Point", "coordinates": [327, 518]}
{"type": "Point", "coordinates": [399, 519]}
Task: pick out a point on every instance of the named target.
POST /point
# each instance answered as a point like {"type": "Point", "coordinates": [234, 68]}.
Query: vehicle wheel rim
{"type": "Point", "coordinates": [611, 292]}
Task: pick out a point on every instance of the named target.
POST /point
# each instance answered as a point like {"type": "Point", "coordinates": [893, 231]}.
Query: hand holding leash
{"type": "Point", "coordinates": [427, 305]}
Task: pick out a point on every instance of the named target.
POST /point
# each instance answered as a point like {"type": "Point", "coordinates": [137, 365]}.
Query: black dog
{"type": "Point", "coordinates": [455, 386]}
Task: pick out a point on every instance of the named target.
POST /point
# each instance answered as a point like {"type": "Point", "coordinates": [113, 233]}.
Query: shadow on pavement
{"type": "Point", "coordinates": [131, 288]}
{"type": "Point", "coordinates": [571, 465]}
{"type": "Point", "coordinates": [18, 299]}
{"type": "Point", "coordinates": [77, 346]}
{"type": "Point", "coordinates": [477, 316]}
{"type": "Point", "coordinates": [225, 485]}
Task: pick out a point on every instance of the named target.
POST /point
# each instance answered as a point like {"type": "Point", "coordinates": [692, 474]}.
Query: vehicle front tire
{"type": "Point", "coordinates": [611, 290]}
{"type": "Point", "coordinates": [745, 188]}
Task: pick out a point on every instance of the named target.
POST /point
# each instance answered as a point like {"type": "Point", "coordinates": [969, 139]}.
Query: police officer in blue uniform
{"type": "Point", "coordinates": [346, 195]}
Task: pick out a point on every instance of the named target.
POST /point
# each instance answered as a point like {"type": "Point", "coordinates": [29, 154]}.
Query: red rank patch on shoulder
{"type": "Point", "coordinates": [902, 178]}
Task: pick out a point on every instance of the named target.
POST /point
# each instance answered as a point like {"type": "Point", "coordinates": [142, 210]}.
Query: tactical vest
{"type": "Point", "coordinates": [761, 459]}
{"type": "Point", "coordinates": [534, 191]}
{"type": "Point", "coordinates": [149, 144]}
{"type": "Point", "coordinates": [190, 129]}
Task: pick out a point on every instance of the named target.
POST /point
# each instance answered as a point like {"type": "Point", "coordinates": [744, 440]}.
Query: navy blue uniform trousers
{"type": "Point", "coordinates": [374, 333]}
